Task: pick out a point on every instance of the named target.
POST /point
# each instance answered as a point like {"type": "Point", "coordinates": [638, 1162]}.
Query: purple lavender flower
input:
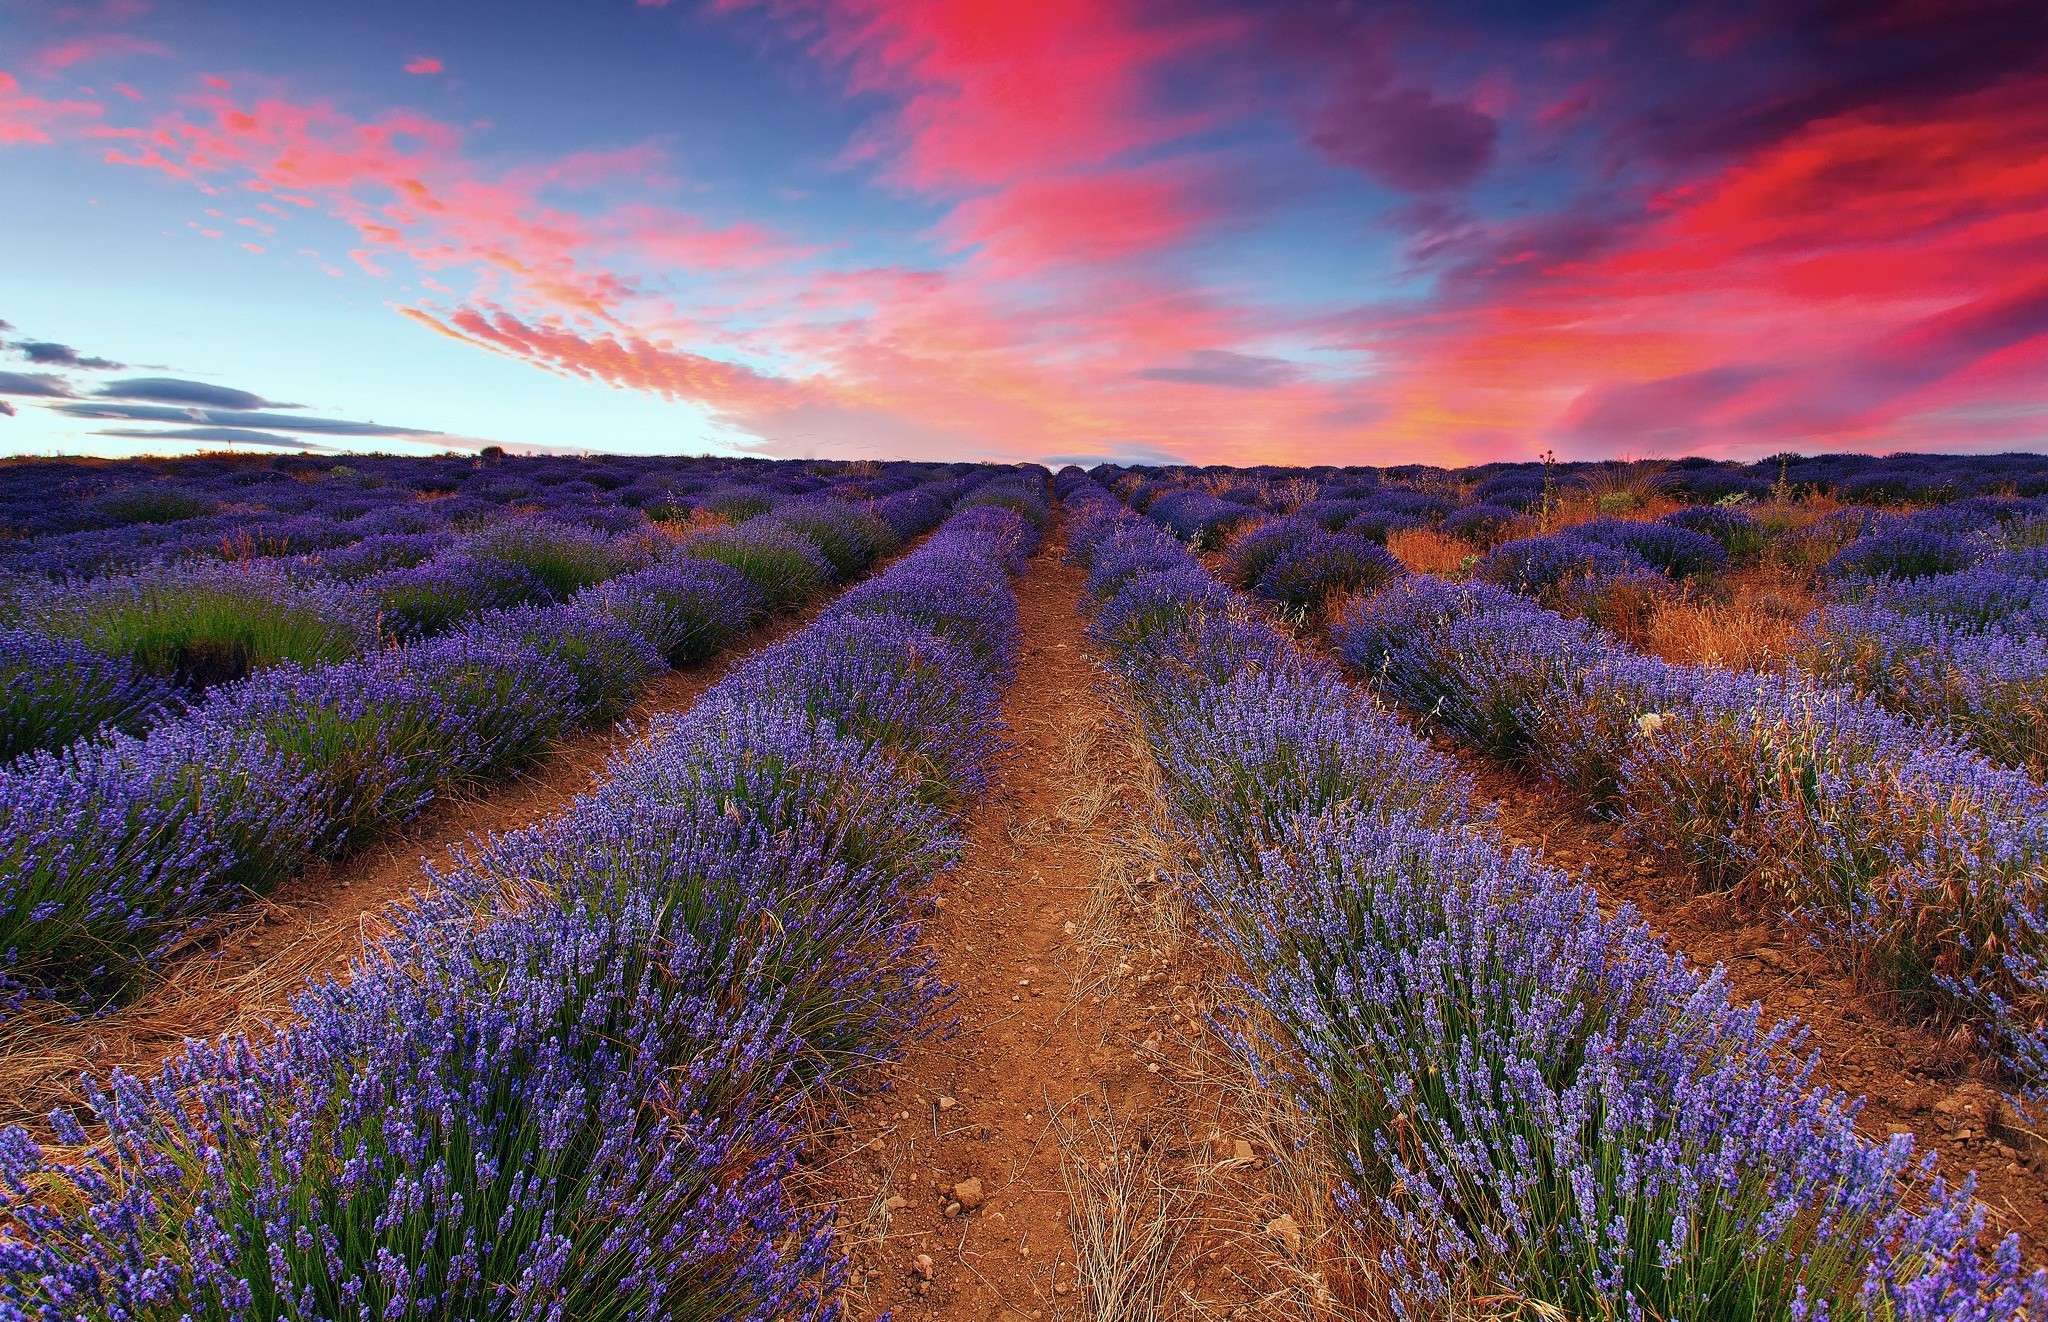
{"type": "Point", "coordinates": [54, 691]}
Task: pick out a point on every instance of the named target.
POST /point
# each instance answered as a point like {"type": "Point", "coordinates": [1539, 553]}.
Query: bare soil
{"type": "Point", "coordinates": [1074, 1088]}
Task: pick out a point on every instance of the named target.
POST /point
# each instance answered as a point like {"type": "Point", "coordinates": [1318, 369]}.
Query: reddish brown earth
{"type": "Point", "coordinates": [244, 974]}
{"type": "Point", "coordinates": [1078, 1057]}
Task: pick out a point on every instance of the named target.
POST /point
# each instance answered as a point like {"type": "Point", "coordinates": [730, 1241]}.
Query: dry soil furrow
{"type": "Point", "coordinates": [1069, 1076]}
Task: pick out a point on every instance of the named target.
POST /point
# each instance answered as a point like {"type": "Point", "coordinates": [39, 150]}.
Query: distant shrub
{"type": "Point", "coordinates": [1198, 518]}
{"type": "Point", "coordinates": [1678, 551]}
{"type": "Point", "coordinates": [686, 609]}
{"type": "Point", "coordinates": [1306, 574]}
{"type": "Point", "coordinates": [607, 660]}
{"type": "Point", "coordinates": [201, 624]}
{"type": "Point", "coordinates": [850, 538]}
{"type": "Point", "coordinates": [734, 505]}
{"type": "Point", "coordinates": [1742, 536]}
{"type": "Point", "coordinates": [1902, 553]}
{"type": "Point", "coordinates": [785, 567]}
{"type": "Point", "coordinates": [1250, 552]}
{"type": "Point", "coordinates": [1479, 522]}
{"type": "Point", "coordinates": [565, 559]}
{"type": "Point", "coordinates": [153, 503]}
{"type": "Point", "coordinates": [434, 596]}
{"type": "Point", "coordinates": [1540, 564]}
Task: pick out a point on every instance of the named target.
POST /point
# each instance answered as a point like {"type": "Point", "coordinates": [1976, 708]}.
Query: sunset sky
{"type": "Point", "coordinates": [985, 229]}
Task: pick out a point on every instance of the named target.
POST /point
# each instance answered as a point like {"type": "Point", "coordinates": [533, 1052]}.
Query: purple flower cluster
{"type": "Point", "coordinates": [1989, 685]}
{"type": "Point", "coordinates": [1742, 537]}
{"type": "Point", "coordinates": [1296, 563]}
{"type": "Point", "coordinates": [205, 622]}
{"type": "Point", "coordinates": [1530, 1099]}
{"type": "Point", "coordinates": [572, 1084]}
{"type": "Point", "coordinates": [1197, 517]}
{"type": "Point", "coordinates": [1902, 552]}
{"type": "Point", "coordinates": [1677, 551]}
{"type": "Point", "coordinates": [54, 691]}
{"type": "Point", "coordinates": [159, 833]}
{"type": "Point", "coordinates": [1555, 562]}
{"type": "Point", "coordinates": [1916, 857]}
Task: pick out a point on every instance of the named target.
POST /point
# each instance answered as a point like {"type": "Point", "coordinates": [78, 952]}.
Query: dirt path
{"type": "Point", "coordinates": [1912, 1083]}
{"type": "Point", "coordinates": [1069, 1085]}
{"type": "Point", "coordinates": [246, 973]}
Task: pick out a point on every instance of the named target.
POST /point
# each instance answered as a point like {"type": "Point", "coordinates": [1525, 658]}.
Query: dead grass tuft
{"type": "Point", "coordinates": [1427, 551]}
{"type": "Point", "coordinates": [1748, 625]}
{"type": "Point", "coordinates": [1128, 1213]}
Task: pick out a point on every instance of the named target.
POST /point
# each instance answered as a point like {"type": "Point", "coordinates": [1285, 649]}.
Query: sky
{"type": "Point", "coordinates": [1333, 231]}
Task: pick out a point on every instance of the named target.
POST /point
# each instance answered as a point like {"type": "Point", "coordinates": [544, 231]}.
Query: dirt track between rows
{"type": "Point", "coordinates": [1077, 1064]}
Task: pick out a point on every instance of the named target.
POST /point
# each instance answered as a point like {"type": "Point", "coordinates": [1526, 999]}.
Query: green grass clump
{"type": "Point", "coordinates": [206, 624]}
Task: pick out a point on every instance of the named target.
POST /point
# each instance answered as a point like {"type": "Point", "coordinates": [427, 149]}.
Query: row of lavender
{"type": "Point", "coordinates": [125, 650]}
{"type": "Point", "coordinates": [573, 1084]}
{"type": "Point", "coordinates": [115, 849]}
{"type": "Point", "coordinates": [61, 517]}
{"type": "Point", "coordinates": [1529, 1101]}
{"type": "Point", "coordinates": [1940, 613]}
{"type": "Point", "coordinates": [1908, 853]}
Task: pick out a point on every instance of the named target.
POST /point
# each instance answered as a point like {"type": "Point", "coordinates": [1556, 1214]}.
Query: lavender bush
{"type": "Point", "coordinates": [570, 1085]}
{"type": "Point", "coordinates": [54, 691]}
{"type": "Point", "coordinates": [1917, 859]}
{"type": "Point", "coordinates": [1531, 1101]}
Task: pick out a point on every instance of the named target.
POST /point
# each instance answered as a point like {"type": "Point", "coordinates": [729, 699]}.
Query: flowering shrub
{"type": "Point", "coordinates": [564, 559]}
{"type": "Point", "coordinates": [571, 1083]}
{"type": "Point", "coordinates": [1918, 858]}
{"type": "Point", "coordinates": [849, 538]}
{"type": "Point", "coordinates": [1315, 569]}
{"type": "Point", "coordinates": [1742, 536]}
{"type": "Point", "coordinates": [1679, 552]}
{"type": "Point", "coordinates": [785, 567]}
{"type": "Point", "coordinates": [1529, 1099]}
{"type": "Point", "coordinates": [54, 691]}
{"type": "Point", "coordinates": [1197, 517]}
{"type": "Point", "coordinates": [1902, 553]}
{"type": "Point", "coordinates": [685, 610]}
{"type": "Point", "coordinates": [1479, 523]}
{"type": "Point", "coordinates": [202, 624]}
{"type": "Point", "coordinates": [1989, 685]}
{"type": "Point", "coordinates": [1555, 561]}
{"type": "Point", "coordinates": [419, 601]}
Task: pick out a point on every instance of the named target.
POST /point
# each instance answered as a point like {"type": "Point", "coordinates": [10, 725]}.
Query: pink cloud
{"type": "Point", "coordinates": [27, 120]}
{"type": "Point", "coordinates": [62, 55]}
{"type": "Point", "coordinates": [423, 64]}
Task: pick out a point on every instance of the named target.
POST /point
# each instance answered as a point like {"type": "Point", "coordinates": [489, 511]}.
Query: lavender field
{"type": "Point", "coordinates": [1534, 891]}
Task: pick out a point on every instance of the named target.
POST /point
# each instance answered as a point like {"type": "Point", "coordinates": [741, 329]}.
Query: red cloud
{"type": "Point", "coordinates": [423, 64]}
{"type": "Point", "coordinates": [627, 361]}
{"type": "Point", "coordinates": [1847, 285]}
{"type": "Point", "coordinates": [992, 91]}
{"type": "Point", "coordinates": [1080, 218]}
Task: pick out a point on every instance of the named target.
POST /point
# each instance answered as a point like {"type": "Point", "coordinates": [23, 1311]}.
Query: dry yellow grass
{"type": "Point", "coordinates": [1747, 625]}
{"type": "Point", "coordinates": [1427, 551]}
